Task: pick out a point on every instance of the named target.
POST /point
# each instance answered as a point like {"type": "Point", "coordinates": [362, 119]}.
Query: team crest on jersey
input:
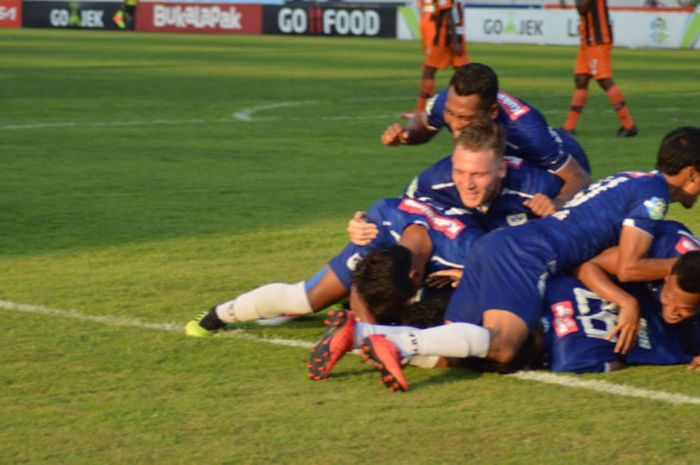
{"type": "Point", "coordinates": [450, 227]}
{"type": "Point", "coordinates": [513, 107]}
{"type": "Point", "coordinates": [430, 104]}
{"type": "Point", "coordinates": [656, 208]}
{"type": "Point", "coordinates": [352, 261]}
{"type": "Point", "coordinates": [517, 219]}
{"type": "Point", "coordinates": [513, 162]}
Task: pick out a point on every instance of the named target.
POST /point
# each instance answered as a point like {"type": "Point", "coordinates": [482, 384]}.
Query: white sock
{"type": "Point", "coordinates": [452, 340]}
{"type": "Point", "coordinates": [268, 301]}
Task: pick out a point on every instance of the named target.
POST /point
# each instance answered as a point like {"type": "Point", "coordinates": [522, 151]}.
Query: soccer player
{"type": "Point", "coordinates": [499, 299]}
{"type": "Point", "coordinates": [578, 322]}
{"type": "Point", "coordinates": [594, 60]}
{"type": "Point", "coordinates": [499, 191]}
{"type": "Point", "coordinates": [473, 95]}
{"type": "Point", "coordinates": [444, 45]}
{"type": "Point", "coordinates": [436, 241]}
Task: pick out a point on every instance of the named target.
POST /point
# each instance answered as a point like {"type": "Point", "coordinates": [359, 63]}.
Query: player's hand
{"type": "Point", "coordinates": [360, 231]}
{"type": "Point", "coordinates": [395, 135]}
{"type": "Point", "coordinates": [540, 205]}
{"type": "Point", "coordinates": [443, 278]}
{"type": "Point", "coordinates": [627, 327]}
{"type": "Point", "coordinates": [694, 363]}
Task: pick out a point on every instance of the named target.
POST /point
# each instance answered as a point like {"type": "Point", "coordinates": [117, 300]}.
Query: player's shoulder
{"type": "Point", "coordinates": [514, 109]}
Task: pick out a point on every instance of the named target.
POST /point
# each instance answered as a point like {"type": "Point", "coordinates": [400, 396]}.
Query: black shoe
{"type": "Point", "coordinates": [627, 132]}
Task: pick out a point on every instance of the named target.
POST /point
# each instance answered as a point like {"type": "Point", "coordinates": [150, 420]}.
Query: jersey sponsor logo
{"type": "Point", "coordinates": [687, 244]}
{"type": "Point", "coordinates": [564, 322]}
{"type": "Point", "coordinates": [513, 107]}
{"type": "Point", "coordinates": [450, 227]}
{"type": "Point", "coordinates": [656, 208]}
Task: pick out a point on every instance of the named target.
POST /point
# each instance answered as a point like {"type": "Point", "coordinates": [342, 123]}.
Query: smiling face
{"type": "Point", "coordinates": [677, 304]}
{"type": "Point", "coordinates": [477, 174]}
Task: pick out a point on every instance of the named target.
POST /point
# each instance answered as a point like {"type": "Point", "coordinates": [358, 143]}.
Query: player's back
{"type": "Point", "coordinates": [592, 221]}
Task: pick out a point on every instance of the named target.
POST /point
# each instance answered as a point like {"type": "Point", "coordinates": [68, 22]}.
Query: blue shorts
{"type": "Point", "coordinates": [506, 270]}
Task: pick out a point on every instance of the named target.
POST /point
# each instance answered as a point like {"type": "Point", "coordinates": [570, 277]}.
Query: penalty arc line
{"type": "Point", "coordinates": [536, 376]}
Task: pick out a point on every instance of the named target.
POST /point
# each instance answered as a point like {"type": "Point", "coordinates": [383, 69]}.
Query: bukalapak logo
{"type": "Point", "coordinates": [322, 20]}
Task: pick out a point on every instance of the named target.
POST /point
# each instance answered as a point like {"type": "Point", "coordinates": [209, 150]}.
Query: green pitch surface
{"type": "Point", "coordinates": [145, 177]}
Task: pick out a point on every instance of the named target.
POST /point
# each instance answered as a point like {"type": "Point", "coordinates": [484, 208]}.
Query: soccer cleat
{"type": "Point", "coordinates": [379, 351]}
{"type": "Point", "coordinates": [337, 340]}
{"type": "Point", "coordinates": [627, 132]}
{"type": "Point", "coordinates": [204, 325]}
{"type": "Point", "coordinates": [193, 329]}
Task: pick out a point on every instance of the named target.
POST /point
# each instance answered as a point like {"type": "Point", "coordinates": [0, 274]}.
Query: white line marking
{"type": "Point", "coordinates": [246, 114]}
{"type": "Point", "coordinates": [536, 376]}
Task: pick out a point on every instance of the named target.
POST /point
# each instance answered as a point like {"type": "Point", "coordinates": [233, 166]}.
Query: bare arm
{"type": "Point", "coordinates": [632, 264]}
{"type": "Point", "coordinates": [415, 132]}
{"type": "Point", "coordinates": [575, 179]}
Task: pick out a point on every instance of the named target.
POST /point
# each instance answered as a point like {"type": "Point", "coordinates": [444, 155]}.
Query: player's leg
{"type": "Point", "coordinates": [273, 300]}
{"type": "Point", "coordinates": [427, 90]}
{"type": "Point", "coordinates": [604, 75]}
{"type": "Point", "coordinates": [582, 74]}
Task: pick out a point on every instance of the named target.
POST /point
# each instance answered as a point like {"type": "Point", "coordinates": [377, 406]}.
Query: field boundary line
{"type": "Point", "coordinates": [534, 376]}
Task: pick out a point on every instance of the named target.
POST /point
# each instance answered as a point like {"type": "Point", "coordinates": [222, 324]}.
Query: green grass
{"type": "Point", "coordinates": [135, 194]}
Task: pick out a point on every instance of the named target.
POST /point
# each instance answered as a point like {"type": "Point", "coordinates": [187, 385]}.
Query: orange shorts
{"type": "Point", "coordinates": [440, 56]}
{"type": "Point", "coordinates": [595, 60]}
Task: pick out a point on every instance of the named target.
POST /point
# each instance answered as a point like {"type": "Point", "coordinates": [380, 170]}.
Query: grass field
{"type": "Point", "coordinates": [145, 177]}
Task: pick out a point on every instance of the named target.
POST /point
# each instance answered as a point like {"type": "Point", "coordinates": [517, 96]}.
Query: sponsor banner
{"type": "Point", "coordinates": [646, 28]}
{"type": "Point", "coordinates": [10, 13]}
{"type": "Point", "coordinates": [75, 14]}
{"type": "Point", "coordinates": [331, 20]}
{"type": "Point", "coordinates": [200, 17]}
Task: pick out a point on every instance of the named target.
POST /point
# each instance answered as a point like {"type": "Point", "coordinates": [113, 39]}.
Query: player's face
{"type": "Point", "coordinates": [461, 111]}
{"type": "Point", "coordinates": [691, 188]}
{"type": "Point", "coordinates": [477, 175]}
{"type": "Point", "coordinates": [676, 304]}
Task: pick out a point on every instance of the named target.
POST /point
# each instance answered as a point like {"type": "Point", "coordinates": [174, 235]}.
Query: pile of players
{"type": "Point", "coordinates": [503, 255]}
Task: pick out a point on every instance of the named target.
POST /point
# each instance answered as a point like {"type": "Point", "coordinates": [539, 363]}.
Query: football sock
{"type": "Point", "coordinates": [617, 100]}
{"type": "Point", "coordinates": [268, 301]}
{"type": "Point", "coordinates": [578, 102]}
{"type": "Point", "coordinates": [452, 340]}
{"type": "Point", "coordinates": [427, 90]}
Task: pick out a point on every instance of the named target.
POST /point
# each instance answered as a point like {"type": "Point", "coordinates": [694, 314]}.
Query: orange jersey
{"type": "Point", "coordinates": [595, 27]}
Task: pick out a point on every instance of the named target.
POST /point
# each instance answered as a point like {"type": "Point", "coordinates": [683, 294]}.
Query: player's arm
{"type": "Point", "coordinates": [593, 275]}
{"type": "Point", "coordinates": [575, 179]}
{"type": "Point", "coordinates": [632, 264]}
{"type": "Point", "coordinates": [415, 132]}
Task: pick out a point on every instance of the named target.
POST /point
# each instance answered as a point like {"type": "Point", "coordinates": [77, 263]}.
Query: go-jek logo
{"type": "Point", "coordinates": [659, 28]}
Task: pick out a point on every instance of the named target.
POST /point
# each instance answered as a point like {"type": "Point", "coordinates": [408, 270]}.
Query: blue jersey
{"type": "Point", "coordinates": [452, 235]}
{"type": "Point", "coordinates": [522, 181]}
{"type": "Point", "coordinates": [508, 268]}
{"type": "Point", "coordinates": [577, 321]}
{"type": "Point", "coordinates": [528, 136]}
{"type": "Point", "coordinates": [593, 219]}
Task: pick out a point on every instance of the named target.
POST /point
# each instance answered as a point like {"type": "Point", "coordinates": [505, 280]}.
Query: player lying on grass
{"type": "Point", "coordinates": [497, 190]}
{"type": "Point", "coordinates": [436, 240]}
{"type": "Point", "coordinates": [473, 95]}
{"type": "Point", "coordinates": [499, 299]}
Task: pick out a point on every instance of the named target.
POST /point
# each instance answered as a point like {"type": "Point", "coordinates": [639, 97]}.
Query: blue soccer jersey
{"type": "Point", "coordinates": [528, 136]}
{"type": "Point", "coordinates": [522, 181]}
{"type": "Point", "coordinates": [508, 268]}
{"type": "Point", "coordinates": [452, 235]}
{"type": "Point", "coordinates": [576, 320]}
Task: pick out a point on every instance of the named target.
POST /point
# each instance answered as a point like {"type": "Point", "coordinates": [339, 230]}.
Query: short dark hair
{"type": "Point", "coordinates": [679, 148]}
{"type": "Point", "coordinates": [687, 270]}
{"type": "Point", "coordinates": [424, 313]}
{"type": "Point", "coordinates": [382, 280]}
{"type": "Point", "coordinates": [483, 134]}
{"type": "Point", "coordinates": [476, 78]}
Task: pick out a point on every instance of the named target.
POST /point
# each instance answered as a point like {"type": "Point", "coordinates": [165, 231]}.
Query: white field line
{"type": "Point", "coordinates": [536, 376]}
